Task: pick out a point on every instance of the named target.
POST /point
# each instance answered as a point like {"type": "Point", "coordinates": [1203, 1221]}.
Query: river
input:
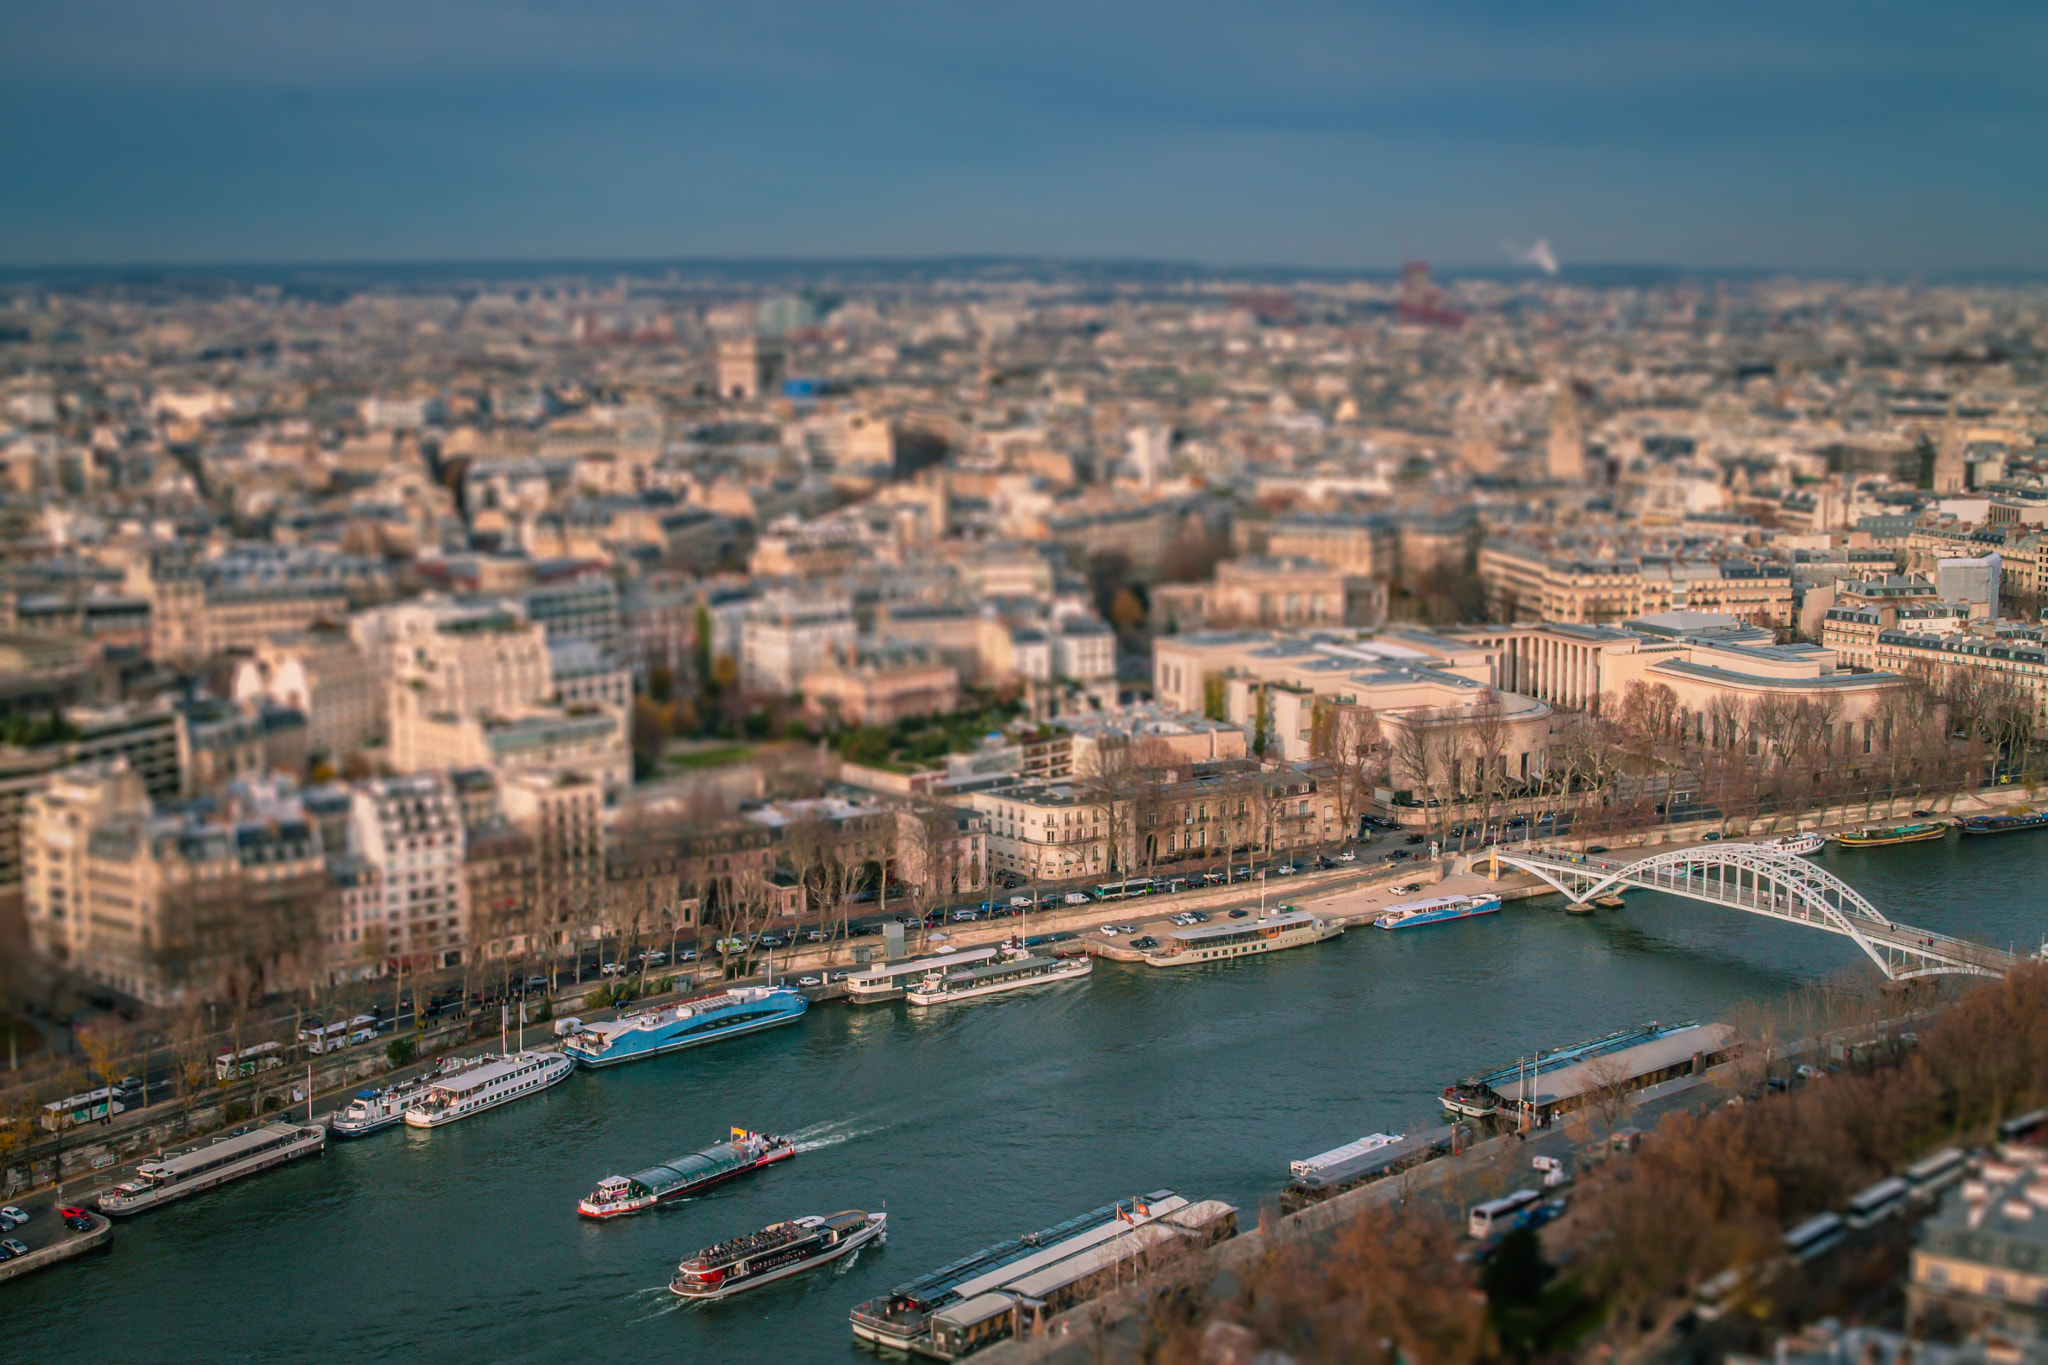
{"type": "Point", "coordinates": [969, 1124]}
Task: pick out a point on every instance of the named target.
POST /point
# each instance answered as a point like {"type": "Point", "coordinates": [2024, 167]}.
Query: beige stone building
{"type": "Point", "coordinates": [324, 674]}
{"type": "Point", "coordinates": [1524, 584]}
{"type": "Point", "coordinates": [1273, 593]}
{"type": "Point", "coordinates": [881, 689]}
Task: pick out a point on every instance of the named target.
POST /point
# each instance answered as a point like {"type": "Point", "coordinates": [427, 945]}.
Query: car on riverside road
{"type": "Point", "coordinates": [11, 1218]}
{"type": "Point", "coordinates": [1416, 839]}
{"type": "Point", "coordinates": [1239, 913]}
{"type": "Point", "coordinates": [1075, 898]}
{"type": "Point", "coordinates": [15, 1248]}
{"type": "Point", "coordinates": [1347, 856]}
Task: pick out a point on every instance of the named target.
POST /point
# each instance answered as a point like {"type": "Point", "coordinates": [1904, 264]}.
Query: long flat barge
{"type": "Point", "coordinates": [156, 1183]}
{"type": "Point", "coordinates": [1373, 1157]}
{"type": "Point", "coordinates": [1483, 1095]}
{"type": "Point", "coordinates": [1015, 1286]}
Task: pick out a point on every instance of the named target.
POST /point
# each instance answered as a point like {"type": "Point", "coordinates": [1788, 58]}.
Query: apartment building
{"type": "Point", "coordinates": [586, 739]}
{"type": "Point", "coordinates": [471, 664]}
{"type": "Point", "coordinates": [324, 675]}
{"type": "Point", "coordinates": [1981, 1260]}
{"type": "Point", "coordinates": [2007, 652]}
{"type": "Point", "coordinates": [410, 830]}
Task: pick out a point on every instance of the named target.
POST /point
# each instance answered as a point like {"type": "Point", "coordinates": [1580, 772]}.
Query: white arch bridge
{"type": "Point", "coordinates": [1762, 880]}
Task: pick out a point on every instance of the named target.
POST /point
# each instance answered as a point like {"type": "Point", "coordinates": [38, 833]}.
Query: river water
{"type": "Point", "coordinates": [969, 1124]}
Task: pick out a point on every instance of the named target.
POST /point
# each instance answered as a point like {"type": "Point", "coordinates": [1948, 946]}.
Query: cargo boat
{"type": "Point", "coordinates": [1287, 927]}
{"type": "Point", "coordinates": [693, 1022]}
{"type": "Point", "coordinates": [500, 1080]}
{"type": "Point", "coordinates": [1441, 910]}
{"type": "Point", "coordinates": [2001, 824]}
{"type": "Point", "coordinates": [1882, 836]}
{"type": "Point", "coordinates": [744, 1151]}
{"type": "Point", "coordinates": [156, 1183]}
{"type": "Point", "coordinates": [776, 1252]}
{"type": "Point", "coordinates": [1013, 1287]}
{"type": "Point", "coordinates": [1022, 971]}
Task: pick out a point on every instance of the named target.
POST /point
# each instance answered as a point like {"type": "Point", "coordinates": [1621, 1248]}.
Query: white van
{"type": "Point", "coordinates": [565, 1027]}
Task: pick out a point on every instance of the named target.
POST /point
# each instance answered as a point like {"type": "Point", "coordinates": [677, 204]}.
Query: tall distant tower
{"type": "Point", "coordinates": [1567, 447]}
{"type": "Point", "coordinates": [1149, 449]}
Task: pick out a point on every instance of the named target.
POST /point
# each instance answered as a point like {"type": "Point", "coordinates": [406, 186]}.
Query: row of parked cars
{"type": "Point", "coordinates": [12, 1217]}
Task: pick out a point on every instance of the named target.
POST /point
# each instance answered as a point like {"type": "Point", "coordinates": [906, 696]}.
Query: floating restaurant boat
{"type": "Point", "coordinates": [1287, 927]}
{"type": "Point", "coordinates": [215, 1163]}
{"type": "Point", "coordinates": [1881, 836]}
{"type": "Point", "coordinates": [1801, 844]}
{"type": "Point", "coordinates": [888, 980]}
{"type": "Point", "coordinates": [693, 1022]}
{"type": "Point", "coordinates": [2012, 823]}
{"type": "Point", "coordinates": [1441, 910]}
{"type": "Point", "coordinates": [1558, 1079]}
{"type": "Point", "coordinates": [499, 1080]}
{"type": "Point", "coordinates": [1013, 1286]}
{"type": "Point", "coordinates": [1011, 972]}
{"type": "Point", "coordinates": [744, 1151]}
{"type": "Point", "coordinates": [776, 1252]}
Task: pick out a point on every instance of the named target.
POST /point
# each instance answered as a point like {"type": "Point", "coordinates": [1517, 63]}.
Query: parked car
{"type": "Point", "coordinates": [1399, 855]}
{"type": "Point", "coordinates": [1416, 839]}
{"type": "Point", "coordinates": [1110, 931]}
{"type": "Point", "coordinates": [1021, 902]}
{"type": "Point", "coordinates": [772, 941]}
{"type": "Point", "coordinates": [1711, 836]}
{"type": "Point", "coordinates": [614, 969]}
{"type": "Point", "coordinates": [815, 936]}
{"type": "Point", "coordinates": [1141, 944]}
{"type": "Point", "coordinates": [1596, 848]}
{"type": "Point", "coordinates": [11, 1218]}
{"type": "Point", "coordinates": [15, 1247]}
{"type": "Point", "coordinates": [687, 955]}
{"type": "Point", "coordinates": [1064, 936]}
{"type": "Point", "coordinates": [809, 981]}
{"type": "Point", "coordinates": [1127, 928]}
{"type": "Point", "coordinates": [1075, 898]}
{"type": "Point", "coordinates": [962, 916]}
{"type": "Point", "coordinates": [1347, 856]}
{"type": "Point", "coordinates": [1406, 888]}
{"type": "Point", "coordinates": [1239, 913]}
{"type": "Point", "coordinates": [657, 958]}
{"type": "Point", "coordinates": [1284, 870]}
{"type": "Point", "coordinates": [837, 976]}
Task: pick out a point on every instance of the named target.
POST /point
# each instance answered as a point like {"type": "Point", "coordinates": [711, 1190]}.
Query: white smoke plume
{"type": "Point", "coordinates": [1538, 254]}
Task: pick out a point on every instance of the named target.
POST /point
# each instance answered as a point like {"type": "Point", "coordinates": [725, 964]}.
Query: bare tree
{"type": "Point", "coordinates": [1345, 742]}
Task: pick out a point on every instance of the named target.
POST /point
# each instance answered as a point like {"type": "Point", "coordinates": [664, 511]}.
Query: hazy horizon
{"type": "Point", "coordinates": [1882, 139]}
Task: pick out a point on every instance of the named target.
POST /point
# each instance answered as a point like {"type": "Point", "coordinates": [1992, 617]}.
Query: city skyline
{"type": "Point", "coordinates": [1745, 139]}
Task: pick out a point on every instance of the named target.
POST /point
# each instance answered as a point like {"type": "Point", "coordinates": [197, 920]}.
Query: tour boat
{"type": "Point", "coordinates": [1287, 927]}
{"type": "Point", "coordinates": [1012, 972]}
{"type": "Point", "coordinates": [1442, 910]}
{"type": "Point", "coordinates": [688, 1023]}
{"type": "Point", "coordinates": [775, 1253]}
{"type": "Point", "coordinates": [1802, 844]}
{"type": "Point", "coordinates": [745, 1151]}
{"type": "Point", "coordinates": [1880, 836]}
{"type": "Point", "coordinates": [500, 1080]}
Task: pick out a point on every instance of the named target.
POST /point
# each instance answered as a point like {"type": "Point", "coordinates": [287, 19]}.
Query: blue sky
{"type": "Point", "coordinates": [1838, 136]}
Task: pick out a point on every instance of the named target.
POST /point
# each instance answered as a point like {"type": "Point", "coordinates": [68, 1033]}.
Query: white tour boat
{"type": "Point", "coordinates": [499, 1080]}
{"type": "Point", "coordinates": [1015, 971]}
